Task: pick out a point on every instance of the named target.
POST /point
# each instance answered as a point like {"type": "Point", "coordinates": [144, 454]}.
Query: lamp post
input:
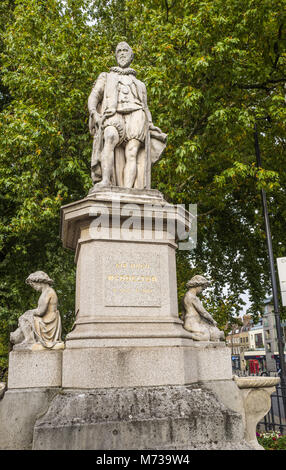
{"type": "Point", "coordinates": [273, 276]}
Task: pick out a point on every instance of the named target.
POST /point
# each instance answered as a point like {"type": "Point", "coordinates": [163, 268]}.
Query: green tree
{"type": "Point", "coordinates": [211, 68]}
{"type": "Point", "coordinates": [6, 10]}
{"type": "Point", "coordinates": [48, 68]}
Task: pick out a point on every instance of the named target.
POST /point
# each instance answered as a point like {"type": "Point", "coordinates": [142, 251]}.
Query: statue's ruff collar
{"type": "Point", "coordinates": [127, 71]}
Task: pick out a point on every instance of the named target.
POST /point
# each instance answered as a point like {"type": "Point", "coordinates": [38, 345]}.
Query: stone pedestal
{"type": "Point", "coordinates": [35, 369]}
{"type": "Point", "coordinates": [126, 287]}
{"type": "Point", "coordinates": [127, 330]}
{"type": "Point", "coordinates": [170, 417]}
{"type": "Point", "coordinates": [19, 410]}
{"type": "Point", "coordinates": [101, 367]}
{"type": "Point", "coordinates": [130, 376]}
{"type": "Point", "coordinates": [34, 378]}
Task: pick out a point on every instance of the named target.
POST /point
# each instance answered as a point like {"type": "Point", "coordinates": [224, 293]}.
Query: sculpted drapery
{"type": "Point", "coordinates": [41, 325]}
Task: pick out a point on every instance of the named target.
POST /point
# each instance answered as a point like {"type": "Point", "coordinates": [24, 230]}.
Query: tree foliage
{"type": "Point", "coordinates": [212, 68]}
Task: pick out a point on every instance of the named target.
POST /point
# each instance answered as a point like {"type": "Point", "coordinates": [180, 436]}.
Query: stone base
{"type": "Point", "coordinates": [37, 347]}
{"type": "Point", "coordinates": [34, 369]}
{"type": "Point", "coordinates": [19, 410]}
{"type": "Point", "coordinates": [140, 366]}
{"type": "Point", "coordinates": [171, 417]}
{"type": "Point", "coordinates": [125, 194]}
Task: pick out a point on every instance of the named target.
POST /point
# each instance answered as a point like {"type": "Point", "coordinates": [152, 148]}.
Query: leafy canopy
{"type": "Point", "coordinates": [212, 68]}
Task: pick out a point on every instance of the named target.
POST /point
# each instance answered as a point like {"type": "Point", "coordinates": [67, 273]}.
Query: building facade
{"type": "Point", "coordinates": [256, 344]}
{"type": "Point", "coordinates": [270, 334]}
{"type": "Point", "coordinates": [238, 341]}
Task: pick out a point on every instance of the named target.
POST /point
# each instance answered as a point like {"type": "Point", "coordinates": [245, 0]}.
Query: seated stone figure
{"type": "Point", "coordinates": [41, 327]}
{"type": "Point", "coordinates": [196, 319]}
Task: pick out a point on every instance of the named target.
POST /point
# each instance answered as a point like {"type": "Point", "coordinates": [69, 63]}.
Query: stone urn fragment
{"type": "Point", "coordinates": [256, 395]}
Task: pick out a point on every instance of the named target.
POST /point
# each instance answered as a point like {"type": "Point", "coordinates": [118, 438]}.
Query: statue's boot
{"type": "Point", "coordinates": [102, 184]}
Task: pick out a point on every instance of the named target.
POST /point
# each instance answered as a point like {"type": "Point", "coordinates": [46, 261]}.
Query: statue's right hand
{"type": "Point", "coordinates": [109, 112]}
{"type": "Point", "coordinates": [96, 117]}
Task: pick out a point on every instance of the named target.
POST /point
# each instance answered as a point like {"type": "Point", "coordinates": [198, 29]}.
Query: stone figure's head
{"type": "Point", "coordinates": [124, 54]}
{"type": "Point", "coordinates": [198, 281]}
{"type": "Point", "coordinates": [38, 279]}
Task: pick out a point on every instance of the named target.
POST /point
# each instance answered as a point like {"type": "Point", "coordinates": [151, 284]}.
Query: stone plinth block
{"type": "Point", "coordinates": [126, 287]}
{"type": "Point", "coordinates": [104, 367]}
{"type": "Point", "coordinates": [19, 410]}
{"type": "Point", "coordinates": [34, 369]}
{"type": "Point", "coordinates": [173, 417]}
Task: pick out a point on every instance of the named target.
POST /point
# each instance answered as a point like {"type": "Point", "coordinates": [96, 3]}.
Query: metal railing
{"type": "Point", "coordinates": [275, 420]}
{"type": "Point", "coordinates": [245, 373]}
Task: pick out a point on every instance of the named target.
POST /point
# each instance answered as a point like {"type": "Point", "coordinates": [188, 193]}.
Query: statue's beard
{"type": "Point", "coordinates": [123, 63]}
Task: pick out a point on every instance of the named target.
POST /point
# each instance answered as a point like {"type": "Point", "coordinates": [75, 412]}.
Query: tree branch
{"type": "Point", "coordinates": [263, 85]}
{"type": "Point", "coordinates": [168, 8]}
{"type": "Point", "coordinates": [184, 183]}
{"type": "Point", "coordinates": [207, 213]}
{"type": "Point", "coordinates": [276, 48]}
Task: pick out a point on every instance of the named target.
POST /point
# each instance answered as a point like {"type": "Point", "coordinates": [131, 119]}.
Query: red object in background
{"type": "Point", "coordinates": [253, 366]}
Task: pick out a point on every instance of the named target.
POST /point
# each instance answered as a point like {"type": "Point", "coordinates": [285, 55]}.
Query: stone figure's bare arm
{"type": "Point", "coordinates": [96, 96]}
{"type": "Point", "coordinates": [202, 311]}
{"type": "Point", "coordinates": [42, 304]}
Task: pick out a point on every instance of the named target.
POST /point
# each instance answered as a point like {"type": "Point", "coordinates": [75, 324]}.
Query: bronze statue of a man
{"type": "Point", "coordinates": [126, 143]}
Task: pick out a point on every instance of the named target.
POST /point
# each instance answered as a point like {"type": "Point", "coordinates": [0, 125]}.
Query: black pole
{"type": "Point", "coordinates": [280, 339]}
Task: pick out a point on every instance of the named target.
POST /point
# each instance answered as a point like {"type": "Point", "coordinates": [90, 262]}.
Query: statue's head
{"type": "Point", "coordinates": [124, 54]}
{"type": "Point", "coordinates": [198, 281]}
{"type": "Point", "coordinates": [38, 279]}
